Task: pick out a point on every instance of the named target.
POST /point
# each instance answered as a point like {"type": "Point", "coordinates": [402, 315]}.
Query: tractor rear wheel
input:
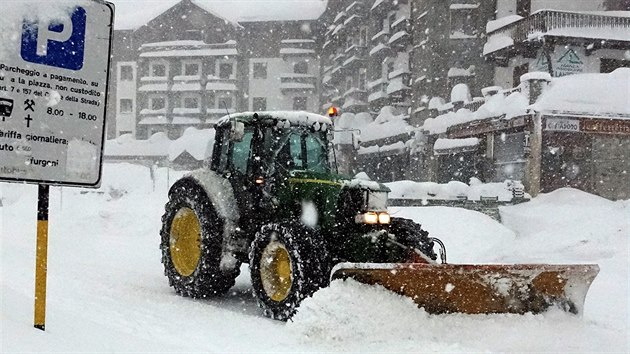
{"type": "Point", "coordinates": [192, 235]}
{"type": "Point", "coordinates": [288, 262]}
{"type": "Point", "coordinates": [411, 234]}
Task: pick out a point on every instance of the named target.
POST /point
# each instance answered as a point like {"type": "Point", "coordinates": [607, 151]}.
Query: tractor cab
{"type": "Point", "coordinates": [265, 154]}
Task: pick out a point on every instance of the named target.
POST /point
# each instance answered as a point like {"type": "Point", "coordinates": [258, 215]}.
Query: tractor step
{"type": "Point", "coordinates": [479, 289]}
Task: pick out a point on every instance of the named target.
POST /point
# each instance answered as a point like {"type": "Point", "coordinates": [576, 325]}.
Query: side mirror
{"type": "Point", "coordinates": [356, 141]}
{"type": "Point", "coordinates": [237, 132]}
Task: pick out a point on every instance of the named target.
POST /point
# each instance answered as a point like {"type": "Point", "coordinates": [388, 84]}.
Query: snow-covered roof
{"type": "Point", "coordinates": [588, 94]}
{"type": "Point", "coordinates": [221, 86]}
{"type": "Point", "coordinates": [387, 124]}
{"type": "Point", "coordinates": [444, 145]}
{"type": "Point", "coordinates": [379, 47]}
{"type": "Point", "coordinates": [186, 86]}
{"type": "Point", "coordinates": [501, 22]}
{"type": "Point", "coordinates": [153, 120]}
{"type": "Point", "coordinates": [126, 145]}
{"type": "Point", "coordinates": [593, 95]}
{"type": "Point", "coordinates": [293, 117]}
{"type": "Point", "coordinates": [182, 42]}
{"type": "Point", "coordinates": [203, 52]}
{"type": "Point", "coordinates": [128, 16]}
{"type": "Point", "coordinates": [153, 87]}
{"type": "Point", "coordinates": [182, 120]}
{"type": "Point", "coordinates": [197, 142]}
{"type": "Point", "coordinates": [296, 51]}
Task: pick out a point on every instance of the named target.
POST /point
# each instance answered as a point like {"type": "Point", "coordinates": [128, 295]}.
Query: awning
{"type": "Point", "coordinates": [445, 146]}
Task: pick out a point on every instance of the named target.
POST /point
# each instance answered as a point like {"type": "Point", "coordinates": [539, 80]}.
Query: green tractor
{"type": "Point", "coordinates": [271, 197]}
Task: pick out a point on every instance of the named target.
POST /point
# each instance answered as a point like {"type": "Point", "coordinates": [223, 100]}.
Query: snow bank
{"type": "Point", "coordinates": [452, 190]}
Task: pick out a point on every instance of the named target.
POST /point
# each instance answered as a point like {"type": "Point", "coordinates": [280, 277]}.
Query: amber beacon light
{"type": "Point", "coordinates": [332, 111]}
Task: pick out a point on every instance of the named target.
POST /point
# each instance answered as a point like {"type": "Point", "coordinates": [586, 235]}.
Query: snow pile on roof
{"type": "Point", "coordinates": [197, 142]}
{"type": "Point", "coordinates": [293, 117]}
{"type": "Point", "coordinates": [125, 145]}
{"type": "Point", "coordinates": [498, 105]}
{"type": "Point", "coordinates": [128, 16]}
{"type": "Point", "coordinates": [496, 42]}
{"type": "Point", "coordinates": [453, 190]}
{"type": "Point", "coordinates": [501, 22]}
{"type": "Point", "coordinates": [388, 123]}
{"type": "Point", "coordinates": [461, 93]}
{"type": "Point", "coordinates": [444, 144]}
{"type": "Point", "coordinates": [593, 94]}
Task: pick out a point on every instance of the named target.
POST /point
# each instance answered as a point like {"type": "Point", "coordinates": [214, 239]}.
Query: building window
{"type": "Point", "coordinates": [301, 67]}
{"type": "Point", "coordinates": [518, 72]}
{"type": "Point", "coordinates": [157, 69]}
{"type": "Point", "coordinates": [190, 69]}
{"type": "Point", "coordinates": [191, 102]}
{"type": "Point", "coordinates": [363, 36]}
{"type": "Point", "coordinates": [210, 99]}
{"type": "Point", "coordinates": [349, 83]}
{"type": "Point", "coordinates": [259, 71]}
{"type": "Point", "coordinates": [157, 103]}
{"type": "Point", "coordinates": [609, 65]}
{"type": "Point", "coordinates": [126, 105]}
{"type": "Point", "coordinates": [523, 7]}
{"type": "Point", "coordinates": [126, 73]}
{"type": "Point", "coordinates": [349, 41]}
{"type": "Point", "coordinates": [299, 103]}
{"type": "Point", "coordinates": [463, 23]}
{"type": "Point", "coordinates": [385, 25]}
{"type": "Point", "coordinates": [362, 78]}
{"type": "Point", "coordinates": [226, 70]}
{"type": "Point", "coordinates": [391, 19]}
{"type": "Point", "coordinates": [259, 104]}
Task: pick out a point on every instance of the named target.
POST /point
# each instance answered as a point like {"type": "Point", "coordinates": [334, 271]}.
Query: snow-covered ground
{"type": "Point", "coordinates": [107, 293]}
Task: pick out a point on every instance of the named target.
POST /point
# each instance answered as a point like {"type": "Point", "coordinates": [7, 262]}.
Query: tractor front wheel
{"type": "Point", "coordinates": [288, 262]}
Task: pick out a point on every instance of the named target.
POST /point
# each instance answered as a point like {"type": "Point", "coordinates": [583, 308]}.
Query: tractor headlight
{"type": "Point", "coordinates": [372, 217]}
{"type": "Point", "coordinates": [384, 218]}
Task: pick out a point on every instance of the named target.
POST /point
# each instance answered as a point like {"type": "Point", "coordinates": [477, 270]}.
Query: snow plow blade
{"type": "Point", "coordinates": [479, 289]}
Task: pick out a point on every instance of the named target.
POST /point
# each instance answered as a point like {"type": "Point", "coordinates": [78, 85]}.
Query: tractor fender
{"type": "Point", "coordinates": [220, 193]}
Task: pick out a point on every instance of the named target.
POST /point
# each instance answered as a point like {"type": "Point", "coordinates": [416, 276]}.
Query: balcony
{"type": "Point", "coordinates": [607, 30]}
{"type": "Point", "coordinates": [290, 82]}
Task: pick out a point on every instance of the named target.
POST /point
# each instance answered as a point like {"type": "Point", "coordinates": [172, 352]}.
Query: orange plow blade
{"type": "Point", "coordinates": [479, 289]}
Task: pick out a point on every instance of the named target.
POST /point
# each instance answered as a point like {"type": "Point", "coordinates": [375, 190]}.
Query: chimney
{"type": "Point", "coordinates": [534, 84]}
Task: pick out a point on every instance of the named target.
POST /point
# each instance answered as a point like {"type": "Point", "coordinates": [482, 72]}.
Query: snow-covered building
{"type": "Point", "coordinates": [448, 39]}
{"type": "Point", "coordinates": [188, 65]}
{"type": "Point", "coordinates": [547, 132]}
{"type": "Point", "coordinates": [561, 37]}
{"type": "Point", "coordinates": [398, 55]}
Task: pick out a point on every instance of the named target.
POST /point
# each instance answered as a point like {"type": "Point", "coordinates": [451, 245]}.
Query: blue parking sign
{"type": "Point", "coordinates": [60, 44]}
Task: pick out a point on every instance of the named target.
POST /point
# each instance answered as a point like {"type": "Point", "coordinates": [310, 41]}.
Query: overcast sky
{"type": "Point", "coordinates": [132, 14]}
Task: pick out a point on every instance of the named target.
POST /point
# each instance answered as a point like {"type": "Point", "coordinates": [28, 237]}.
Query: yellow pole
{"type": "Point", "coordinates": [41, 257]}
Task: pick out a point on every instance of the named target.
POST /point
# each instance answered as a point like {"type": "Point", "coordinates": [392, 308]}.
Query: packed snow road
{"type": "Point", "coordinates": [107, 292]}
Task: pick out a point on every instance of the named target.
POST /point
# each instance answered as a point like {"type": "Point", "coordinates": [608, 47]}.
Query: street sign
{"type": "Point", "coordinates": [53, 92]}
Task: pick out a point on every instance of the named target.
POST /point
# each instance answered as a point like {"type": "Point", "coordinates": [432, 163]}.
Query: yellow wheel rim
{"type": "Point", "coordinates": [185, 242]}
{"type": "Point", "coordinates": [275, 271]}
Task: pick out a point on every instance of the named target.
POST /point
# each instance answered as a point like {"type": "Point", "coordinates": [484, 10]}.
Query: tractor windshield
{"type": "Point", "coordinates": [303, 150]}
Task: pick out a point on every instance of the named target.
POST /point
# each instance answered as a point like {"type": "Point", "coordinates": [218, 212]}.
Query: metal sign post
{"type": "Point", "coordinates": [41, 257]}
{"type": "Point", "coordinates": [53, 100]}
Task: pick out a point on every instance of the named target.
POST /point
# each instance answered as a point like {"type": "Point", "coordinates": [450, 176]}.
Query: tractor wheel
{"type": "Point", "coordinates": [411, 234]}
{"type": "Point", "coordinates": [288, 262]}
{"type": "Point", "coordinates": [192, 235]}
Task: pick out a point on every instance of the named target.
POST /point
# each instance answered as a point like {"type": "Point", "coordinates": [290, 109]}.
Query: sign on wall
{"type": "Point", "coordinates": [53, 89]}
{"type": "Point", "coordinates": [562, 124]}
{"type": "Point", "coordinates": [563, 63]}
